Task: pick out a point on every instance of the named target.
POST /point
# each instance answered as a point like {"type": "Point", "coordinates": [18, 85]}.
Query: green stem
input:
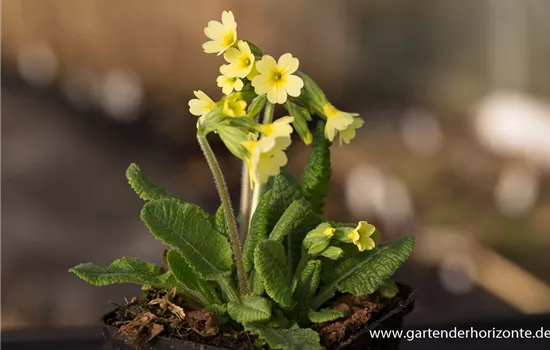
{"type": "Point", "coordinates": [268, 118]}
{"type": "Point", "coordinates": [228, 289]}
{"type": "Point", "coordinates": [301, 265]}
{"type": "Point", "coordinates": [245, 204]}
{"type": "Point", "coordinates": [227, 210]}
{"type": "Point", "coordinates": [322, 297]}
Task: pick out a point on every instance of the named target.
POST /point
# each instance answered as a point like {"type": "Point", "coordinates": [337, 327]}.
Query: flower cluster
{"type": "Point", "coordinates": [324, 240]}
{"type": "Point", "coordinates": [250, 82]}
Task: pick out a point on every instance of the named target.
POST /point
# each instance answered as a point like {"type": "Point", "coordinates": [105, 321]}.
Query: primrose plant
{"type": "Point", "coordinates": [273, 272]}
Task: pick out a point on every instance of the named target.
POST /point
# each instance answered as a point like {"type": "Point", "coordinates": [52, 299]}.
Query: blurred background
{"type": "Point", "coordinates": [455, 149]}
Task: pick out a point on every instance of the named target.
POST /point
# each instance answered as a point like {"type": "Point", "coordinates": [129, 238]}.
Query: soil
{"type": "Point", "coordinates": [162, 313]}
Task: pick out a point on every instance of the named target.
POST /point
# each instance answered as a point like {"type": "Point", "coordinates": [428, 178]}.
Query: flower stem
{"type": "Point", "coordinates": [227, 210]}
{"type": "Point", "coordinates": [268, 118]}
{"type": "Point", "coordinates": [245, 204]}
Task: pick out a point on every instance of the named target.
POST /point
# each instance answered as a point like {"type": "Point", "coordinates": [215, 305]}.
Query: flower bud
{"type": "Point", "coordinates": [210, 121]}
{"type": "Point", "coordinates": [256, 106]}
{"type": "Point", "coordinates": [301, 117]}
{"type": "Point", "coordinates": [312, 96]}
{"type": "Point", "coordinates": [319, 235]}
{"type": "Point", "coordinates": [233, 106]}
{"type": "Point", "coordinates": [333, 253]}
{"type": "Point", "coordinates": [234, 138]}
{"type": "Point", "coordinates": [244, 123]}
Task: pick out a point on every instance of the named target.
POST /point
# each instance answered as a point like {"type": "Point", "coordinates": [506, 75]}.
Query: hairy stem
{"type": "Point", "coordinates": [227, 210]}
{"type": "Point", "coordinates": [245, 204]}
{"type": "Point", "coordinates": [268, 118]}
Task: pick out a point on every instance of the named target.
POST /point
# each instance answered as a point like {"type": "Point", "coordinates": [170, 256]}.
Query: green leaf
{"type": "Point", "coordinates": [365, 272]}
{"type": "Point", "coordinates": [253, 309]}
{"type": "Point", "coordinates": [287, 339]}
{"type": "Point", "coordinates": [293, 226]}
{"type": "Point", "coordinates": [123, 270]}
{"type": "Point", "coordinates": [316, 176]}
{"type": "Point", "coordinates": [191, 282]}
{"type": "Point", "coordinates": [254, 49]}
{"type": "Point", "coordinates": [307, 284]}
{"type": "Point", "coordinates": [283, 194]}
{"type": "Point", "coordinates": [258, 230]}
{"type": "Point", "coordinates": [325, 315]}
{"type": "Point", "coordinates": [145, 188]}
{"type": "Point", "coordinates": [187, 228]}
{"type": "Point", "coordinates": [270, 265]}
{"type": "Point", "coordinates": [291, 219]}
{"type": "Point", "coordinates": [278, 320]}
{"type": "Point", "coordinates": [220, 223]}
{"type": "Point", "coordinates": [220, 310]}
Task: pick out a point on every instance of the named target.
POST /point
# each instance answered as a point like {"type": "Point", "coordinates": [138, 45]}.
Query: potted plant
{"type": "Point", "coordinates": [290, 279]}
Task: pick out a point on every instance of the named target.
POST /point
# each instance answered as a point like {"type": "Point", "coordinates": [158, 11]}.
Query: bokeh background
{"type": "Point", "coordinates": [455, 149]}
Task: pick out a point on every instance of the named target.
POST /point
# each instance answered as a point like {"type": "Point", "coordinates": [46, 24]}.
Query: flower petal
{"type": "Point", "coordinates": [228, 20]}
{"type": "Point", "coordinates": [213, 47]}
{"type": "Point", "coordinates": [294, 85]}
{"type": "Point", "coordinates": [288, 63]}
{"type": "Point", "coordinates": [232, 55]}
{"type": "Point", "coordinates": [266, 64]}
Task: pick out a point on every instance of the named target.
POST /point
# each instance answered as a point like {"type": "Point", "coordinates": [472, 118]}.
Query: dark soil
{"type": "Point", "coordinates": [158, 313]}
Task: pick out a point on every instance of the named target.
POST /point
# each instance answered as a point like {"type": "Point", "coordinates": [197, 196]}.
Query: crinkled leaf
{"type": "Point", "coordinates": [291, 219]}
{"type": "Point", "coordinates": [253, 309]}
{"type": "Point", "coordinates": [145, 188]}
{"type": "Point", "coordinates": [219, 222]}
{"type": "Point", "coordinates": [283, 194]}
{"type": "Point", "coordinates": [287, 339]}
{"type": "Point", "coordinates": [307, 286]}
{"type": "Point", "coordinates": [187, 228]}
{"type": "Point", "coordinates": [123, 270]}
{"type": "Point", "coordinates": [192, 283]}
{"type": "Point", "coordinates": [316, 176]}
{"type": "Point", "coordinates": [365, 272]}
{"type": "Point", "coordinates": [325, 315]}
{"type": "Point", "coordinates": [270, 265]}
{"type": "Point", "coordinates": [278, 320]}
{"type": "Point", "coordinates": [258, 230]}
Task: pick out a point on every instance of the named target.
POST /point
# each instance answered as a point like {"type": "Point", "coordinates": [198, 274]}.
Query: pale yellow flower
{"type": "Point", "coordinates": [279, 128]}
{"type": "Point", "coordinates": [276, 79]}
{"type": "Point", "coordinates": [361, 236]}
{"type": "Point", "coordinates": [241, 60]}
{"type": "Point", "coordinates": [336, 120]}
{"type": "Point", "coordinates": [233, 106]}
{"type": "Point", "coordinates": [348, 134]}
{"type": "Point", "coordinates": [253, 72]}
{"type": "Point", "coordinates": [227, 83]}
{"type": "Point", "coordinates": [201, 105]}
{"type": "Point", "coordinates": [223, 35]}
{"type": "Point", "coordinates": [266, 158]}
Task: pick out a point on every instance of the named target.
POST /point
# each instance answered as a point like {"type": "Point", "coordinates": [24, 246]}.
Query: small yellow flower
{"type": "Point", "coordinates": [361, 236]}
{"type": "Point", "coordinates": [233, 106]}
{"type": "Point", "coordinates": [336, 120]}
{"type": "Point", "coordinates": [227, 83]}
{"type": "Point", "coordinates": [201, 105]}
{"type": "Point", "coordinates": [275, 78]}
{"type": "Point", "coordinates": [348, 134]}
{"type": "Point", "coordinates": [223, 35]}
{"type": "Point", "coordinates": [241, 60]}
{"type": "Point", "coordinates": [266, 158]}
{"type": "Point", "coordinates": [279, 128]}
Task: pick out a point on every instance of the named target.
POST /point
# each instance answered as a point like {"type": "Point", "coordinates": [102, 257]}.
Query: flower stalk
{"type": "Point", "coordinates": [227, 210]}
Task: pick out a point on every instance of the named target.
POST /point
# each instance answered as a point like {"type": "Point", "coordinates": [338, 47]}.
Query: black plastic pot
{"type": "Point", "coordinates": [361, 340]}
